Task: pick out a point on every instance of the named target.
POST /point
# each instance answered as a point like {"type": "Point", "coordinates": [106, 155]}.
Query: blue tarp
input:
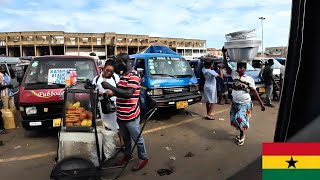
{"type": "Point", "coordinates": [158, 49]}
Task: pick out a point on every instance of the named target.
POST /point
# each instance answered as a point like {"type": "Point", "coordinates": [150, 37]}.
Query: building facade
{"type": "Point", "coordinates": [214, 52]}
{"type": "Point", "coordinates": [277, 51]}
{"type": "Point", "coordinates": [39, 43]}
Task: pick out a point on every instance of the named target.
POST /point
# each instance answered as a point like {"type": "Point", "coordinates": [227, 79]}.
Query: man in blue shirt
{"type": "Point", "coordinates": [6, 91]}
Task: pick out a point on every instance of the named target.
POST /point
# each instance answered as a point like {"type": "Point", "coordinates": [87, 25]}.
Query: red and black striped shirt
{"type": "Point", "coordinates": [129, 109]}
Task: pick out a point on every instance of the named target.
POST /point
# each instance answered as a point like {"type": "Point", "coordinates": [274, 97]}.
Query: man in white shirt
{"type": "Point", "coordinates": [241, 108]}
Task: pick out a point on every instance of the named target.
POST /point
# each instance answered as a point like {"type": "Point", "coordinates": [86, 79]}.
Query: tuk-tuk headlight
{"type": "Point", "coordinates": [21, 108]}
{"type": "Point", "coordinates": [194, 88]}
{"type": "Point", "coordinates": [31, 110]}
{"type": "Point", "coordinates": [155, 92]}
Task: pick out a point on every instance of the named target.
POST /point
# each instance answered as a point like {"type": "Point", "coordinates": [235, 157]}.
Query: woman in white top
{"type": "Point", "coordinates": [108, 75]}
{"type": "Point", "coordinates": [210, 90]}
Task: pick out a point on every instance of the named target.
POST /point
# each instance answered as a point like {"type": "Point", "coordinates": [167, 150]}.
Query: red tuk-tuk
{"type": "Point", "coordinates": [40, 102]}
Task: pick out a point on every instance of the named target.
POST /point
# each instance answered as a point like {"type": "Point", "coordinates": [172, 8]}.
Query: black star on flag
{"type": "Point", "coordinates": [291, 163]}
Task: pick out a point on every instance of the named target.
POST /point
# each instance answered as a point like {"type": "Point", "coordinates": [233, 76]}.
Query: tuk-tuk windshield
{"type": "Point", "coordinates": [172, 67]}
{"type": "Point", "coordinates": [38, 72]}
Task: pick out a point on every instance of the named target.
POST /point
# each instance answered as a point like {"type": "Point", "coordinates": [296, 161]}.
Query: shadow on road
{"type": "Point", "coordinates": [164, 114]}
{"type": "Point", "coordinates": [32, 134]}
{"type": "Point", "coordinates": [211, 133]}
{"type": "Point", "coordinates": [252, 171]}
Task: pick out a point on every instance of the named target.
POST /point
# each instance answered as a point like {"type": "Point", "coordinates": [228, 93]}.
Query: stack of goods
{"type": "Point", "coordinates": [241, 35]}
{"type": "Point", "coordinates": [242, 46]}
{"type": "Point", "coordinates": [77, 116]}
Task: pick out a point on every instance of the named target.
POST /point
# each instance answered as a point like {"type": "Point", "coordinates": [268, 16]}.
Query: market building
{"type": "Point", "coordinates": [214, 52]}
{"type": "Point", "coordinates": [277, 51]}
{"type": "Point", "coordinates": [39, 43]}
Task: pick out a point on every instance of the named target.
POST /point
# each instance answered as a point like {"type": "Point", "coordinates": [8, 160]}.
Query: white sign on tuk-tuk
{"type": "Point", "coordinates": [65, 76]}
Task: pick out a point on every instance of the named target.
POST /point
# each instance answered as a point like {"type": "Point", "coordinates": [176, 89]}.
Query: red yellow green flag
{"type": "Point", "coordinates": [291, 161]}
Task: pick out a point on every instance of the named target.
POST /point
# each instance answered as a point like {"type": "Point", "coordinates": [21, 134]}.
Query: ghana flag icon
{"type": "Point", "coordinates": [291, 161]}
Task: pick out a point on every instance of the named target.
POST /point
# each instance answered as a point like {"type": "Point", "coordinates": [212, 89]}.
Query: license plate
{"type": "Point", "coordinates": [35, 123]}
{"type": "Point", "coordinates": [262, 90]}
{"type": "Point", "coordinates": [182, 104]}
{"type": "Point", "coordinates": [57, 122]}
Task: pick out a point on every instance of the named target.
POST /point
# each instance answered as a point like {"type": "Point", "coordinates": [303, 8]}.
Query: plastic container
{"type": "Point", "coordinates": [68, 79]}
{"type": "Point", "coordinates": [242, 44]}
{"type": "Point", "coordinates": [242, 51]}
{"type": "Point", "coordinates": [73, 78]}
{"type": "Point", "coordinates": [8, 119]}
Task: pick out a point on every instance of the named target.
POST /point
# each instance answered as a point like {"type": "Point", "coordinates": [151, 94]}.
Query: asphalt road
{"type": "Point", "coordinates": [210, 146]}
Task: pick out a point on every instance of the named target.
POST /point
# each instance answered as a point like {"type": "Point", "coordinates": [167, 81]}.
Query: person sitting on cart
{"type": "Point", "coordinates": [128, 110]}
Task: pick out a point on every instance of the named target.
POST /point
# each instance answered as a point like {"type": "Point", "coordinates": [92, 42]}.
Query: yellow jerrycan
{"type": "Point", "coordinates": [8, 119]}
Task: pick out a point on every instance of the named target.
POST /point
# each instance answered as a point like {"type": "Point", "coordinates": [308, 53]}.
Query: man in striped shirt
{"type": "Point", "coordinates": [128, 110]}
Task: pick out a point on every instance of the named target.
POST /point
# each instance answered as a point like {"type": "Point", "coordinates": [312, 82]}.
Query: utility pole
{"type": "Point", "coordinates": [262, 18]}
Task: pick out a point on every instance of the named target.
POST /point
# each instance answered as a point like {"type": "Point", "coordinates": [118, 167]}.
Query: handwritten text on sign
{"type": "Point", "coordinates": [58, 76]}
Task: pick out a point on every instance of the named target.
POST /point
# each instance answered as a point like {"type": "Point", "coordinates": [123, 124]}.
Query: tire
{"type": "Point", "coordinates": [71, 163]}
{"type": "Point", "coordinates": [27, 128]}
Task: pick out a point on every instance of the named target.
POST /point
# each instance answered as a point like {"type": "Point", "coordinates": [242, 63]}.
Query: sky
{"type": "Point", "coordinates": [208, 20]}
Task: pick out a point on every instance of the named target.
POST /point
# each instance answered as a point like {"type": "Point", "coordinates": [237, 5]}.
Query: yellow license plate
{"type": "Point", "coordinates": [262, 90]}
{"type": "Point", "coordinates": [182, 104]}
{"type": "Point", "coordinates": [57, 122]}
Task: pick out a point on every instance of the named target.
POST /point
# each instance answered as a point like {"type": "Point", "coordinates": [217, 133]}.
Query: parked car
{"type": "Point", "coordinates": [12, 65]}
{"type": "Point", "coordinates": [252, 72]}
{"type": "Point", "coordinates": [278, 69]}
{"type": "Point", "coordinates": [281, 60]}
{"type": "Point", "coordinates": [21, 70]}
{"type": "Point", "coordinates": [278, 73]}
{"type": "Point", "coordinates": [197, 66]}
{"type": "Point", "coordinates": [41, 101]}
{"type": "Point", "coordinates": [167, 80]}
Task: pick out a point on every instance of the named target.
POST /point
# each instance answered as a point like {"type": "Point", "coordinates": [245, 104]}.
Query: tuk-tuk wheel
{"type": "Point", "coordinates": [71, 163]}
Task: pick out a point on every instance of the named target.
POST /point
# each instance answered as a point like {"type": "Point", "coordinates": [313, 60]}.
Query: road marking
{"type": "Point", "coordinates": [28, 157]}
{"type": "Point", "coordinates": [21, 158]}
{"type": "Point", "coordinates": [177, 124]}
